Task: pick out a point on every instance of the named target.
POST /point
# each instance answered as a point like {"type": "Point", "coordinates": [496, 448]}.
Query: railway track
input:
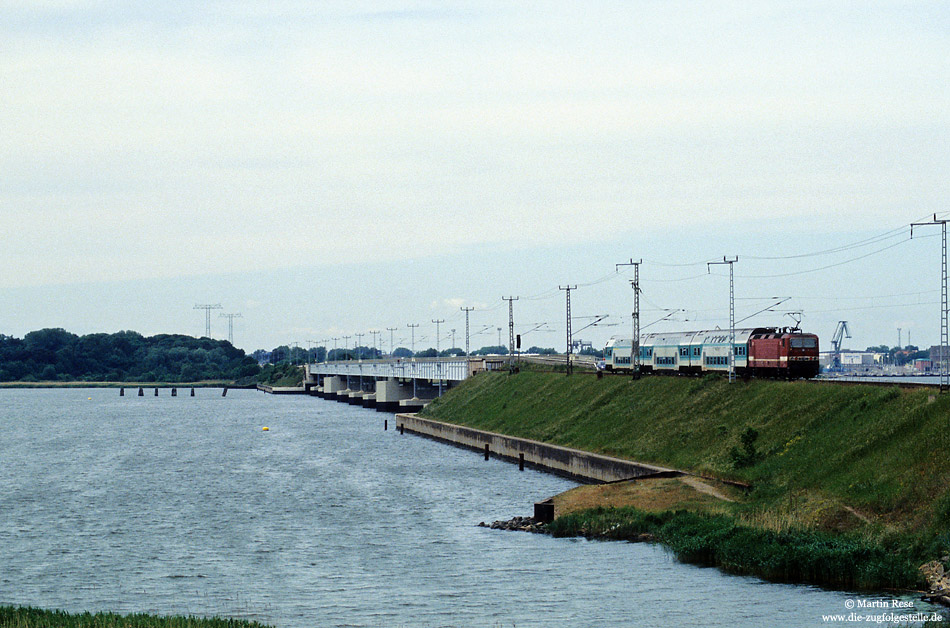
{"type": "Point", "coordinates": [587, 364]}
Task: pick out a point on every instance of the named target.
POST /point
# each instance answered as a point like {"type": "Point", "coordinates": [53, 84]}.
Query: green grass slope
{"type": "Point", "coordinates": [868, 461]}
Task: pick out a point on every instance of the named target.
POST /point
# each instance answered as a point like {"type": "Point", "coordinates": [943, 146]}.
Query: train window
{"type": "Point", "coordinates": [740, 350]}
{"type": "Point", "coordinates": [697, 351]}
{"type": "Point", "coordinates": [804, 343]}
{"type": "Point", "coordinates": [684, 352]}
{"type": "Point", "coordinates": [608, 353]}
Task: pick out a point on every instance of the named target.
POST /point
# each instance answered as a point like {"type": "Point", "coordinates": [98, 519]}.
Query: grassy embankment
{"type": "Point", "coordinates": [25, 617]}
{"type": "Point", "coordinates": [850, 484]}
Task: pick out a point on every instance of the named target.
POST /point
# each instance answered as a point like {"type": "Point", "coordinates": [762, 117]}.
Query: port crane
{"type": "Point", "coordinates": [841, 332]}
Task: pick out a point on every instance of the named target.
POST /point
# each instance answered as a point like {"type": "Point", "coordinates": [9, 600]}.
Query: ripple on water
{"type": "Point", "coordinates": [179, 505]}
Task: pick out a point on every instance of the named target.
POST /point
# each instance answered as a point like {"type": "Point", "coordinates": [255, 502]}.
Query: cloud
{"type": "Point", "coordinates": [235, 137]}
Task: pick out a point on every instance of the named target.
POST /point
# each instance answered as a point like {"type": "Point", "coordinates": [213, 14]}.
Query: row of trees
{"type": "Point", "coordinates": [901, 355]}
{"type": "Point", "coordinates": [126, 356]}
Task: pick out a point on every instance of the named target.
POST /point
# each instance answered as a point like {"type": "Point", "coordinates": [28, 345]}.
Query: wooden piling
{"type": "Point", "coordinates": [141, 392]}
{"type": "Point", "coordinates": [122, 392]}
{"type": "Point", "coordinates": [192, 392]}
{"type": "Point", "coordinates": [174, 392]}
{"type": "Point", "coordinates": [521, 462]}
{"type": "Point", "coordinates": [156, 392]}
{"type": "Point", "coordinates": [487, 451]}
{"type": "Point", "coordinates": [224, 393]}
{"type": "Point", "coordinates": [386, 425]}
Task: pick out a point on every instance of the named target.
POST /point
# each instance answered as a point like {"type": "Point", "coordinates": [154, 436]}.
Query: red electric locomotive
{"type": "Point", "coordinates": [783, 353]}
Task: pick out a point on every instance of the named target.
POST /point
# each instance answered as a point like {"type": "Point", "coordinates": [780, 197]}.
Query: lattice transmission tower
{"type": "Point", "coordinates": [231, 318]}
{"type": "Point", "coordinates": [207, 309]}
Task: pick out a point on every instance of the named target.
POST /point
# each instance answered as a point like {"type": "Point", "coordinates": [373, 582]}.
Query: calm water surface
{"type": "Point", "coordinates": [184, 505]}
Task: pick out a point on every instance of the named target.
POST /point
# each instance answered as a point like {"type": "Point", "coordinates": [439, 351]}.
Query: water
{"type": "Point", "coordinates": [185, 506]}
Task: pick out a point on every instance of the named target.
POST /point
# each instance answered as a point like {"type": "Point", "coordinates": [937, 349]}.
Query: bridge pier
{"type": "Point", "coordinates": [392, 384]}
{"type": "Point", "coordinates": [389, 392]}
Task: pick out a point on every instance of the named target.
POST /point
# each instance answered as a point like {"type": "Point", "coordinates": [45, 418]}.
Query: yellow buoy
{"type": "Point", "coordinates": [89, 398]}
{"type": "Point", "coordinates": [265, 429]}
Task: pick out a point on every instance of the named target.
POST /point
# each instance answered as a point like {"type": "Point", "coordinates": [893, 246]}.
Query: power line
{"type": "Point", "coordinates": [412, 346]}
{"type": "Point", "coordinates": [438, 321]}
{"type": "Point", "coordinates": [391, 346]}
{"type": "Point", "coordinates": [230, 318]}
{"type": "Point", "coordinates": [820, 268]}
{"type": "Point", "coordinates": [567, 292]}
{"type": "Point", "coordinates": [944, 329]}
{"type": "Point", "coordinates": [634, 318]}
{"type": "Point", "coordinates": [732, 316]}
{"type": "Point", "coordinates": [207, 309]}
{"type": "Point", "coordinates": [511, 330]}
{"type": "Point", "coordinates": [466, 310]}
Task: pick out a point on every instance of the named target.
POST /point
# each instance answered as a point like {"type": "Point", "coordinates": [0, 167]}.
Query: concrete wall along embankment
{"type": "Point", "coordinates": [580, 465]}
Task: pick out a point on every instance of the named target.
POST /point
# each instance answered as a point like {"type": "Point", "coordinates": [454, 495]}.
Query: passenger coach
{"type": "Point", "coordinates": [759, 352]}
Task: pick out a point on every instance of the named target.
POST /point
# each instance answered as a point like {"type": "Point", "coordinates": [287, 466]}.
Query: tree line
{"type": "Point", "coordinates": [54, 354]}
{"type": "Point", "coordinates": [125, 356]}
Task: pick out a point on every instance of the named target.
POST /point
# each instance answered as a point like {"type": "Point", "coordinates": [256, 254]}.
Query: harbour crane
{"type": "Point", "coordinates": [841, 332]}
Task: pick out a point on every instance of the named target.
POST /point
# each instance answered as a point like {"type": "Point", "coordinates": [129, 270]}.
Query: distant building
{"type": "Point", "coordinates": [856, 358]}
{"type": "Point", "coordinates": [923, 366]}
{"type": "Point", "coordinates": [937, 352]}
{"type": "Point", "coordinates": [851, 360]}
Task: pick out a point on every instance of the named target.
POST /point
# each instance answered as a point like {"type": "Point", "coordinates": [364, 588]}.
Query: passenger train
{"type": "Point", "coordinates": [758, 352]}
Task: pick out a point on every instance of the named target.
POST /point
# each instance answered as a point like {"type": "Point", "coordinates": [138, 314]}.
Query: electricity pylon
{"type": "Point", "coordinates": [231, 318]}
{"type": "Point", "coordinates": [207, 309]}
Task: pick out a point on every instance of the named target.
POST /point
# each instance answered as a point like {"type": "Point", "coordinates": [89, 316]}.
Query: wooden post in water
{"type": "Point", "coordinates": [224, 393]}
{"type": "Point", "coordinates": [192, 392]}
{"type": "Point", "coordinates": [174, 392]}
{"type": "Point", "coordinates": [156, 392]}
{"type": "Point", "coordinates": [486, 451]}
{"type": "Point", "coordinates": [521, 462]}
{"type": "Point", "coordinates": [402, 428]}
{"type": "Point", "coordinates": [141, 392]}
{"type": "Point", "coordinates": [386, 425]}
{"type": "Point", "coordinates": [122, 392]}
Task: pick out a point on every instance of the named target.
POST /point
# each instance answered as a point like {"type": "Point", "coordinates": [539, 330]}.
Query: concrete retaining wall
{"type": "Point", "coordinates": [574, 463]}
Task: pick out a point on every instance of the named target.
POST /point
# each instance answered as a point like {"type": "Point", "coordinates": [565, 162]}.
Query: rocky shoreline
{"type": "Point", "coordinates": [938, 581]}
{"type": "Point", "coordinates": [530, 524]}
{"type": "Point", "coordinates": [518, 524]}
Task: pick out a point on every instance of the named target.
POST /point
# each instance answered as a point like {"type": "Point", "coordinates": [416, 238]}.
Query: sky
{"type": "Point", "coordinates": [328, 169]}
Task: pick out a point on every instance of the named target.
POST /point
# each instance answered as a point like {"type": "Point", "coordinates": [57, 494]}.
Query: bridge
{"type": "Point", "coordinates": [395, 384]}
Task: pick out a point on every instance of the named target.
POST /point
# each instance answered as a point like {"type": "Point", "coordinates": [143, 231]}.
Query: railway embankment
{"type": "Point", "coordinates": [848, 486]}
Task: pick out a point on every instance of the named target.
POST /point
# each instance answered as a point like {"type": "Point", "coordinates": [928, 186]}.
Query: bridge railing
{"type": "Point", "coordinates": [446, 368]}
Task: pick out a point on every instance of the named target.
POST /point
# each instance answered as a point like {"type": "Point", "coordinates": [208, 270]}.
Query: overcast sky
{"type": "Point", "coordinates": [331, 168]}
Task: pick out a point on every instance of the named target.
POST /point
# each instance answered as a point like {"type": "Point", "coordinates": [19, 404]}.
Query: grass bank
{"type": "Point", "coordinates": [27, 617]}
{"type": "Point", "coordinates": [858, 471]}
